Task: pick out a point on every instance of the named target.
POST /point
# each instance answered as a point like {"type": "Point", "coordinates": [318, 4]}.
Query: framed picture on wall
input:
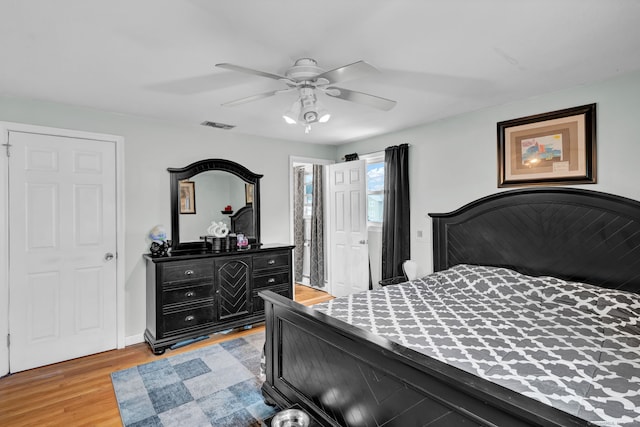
{"type": "Point", "coordinates": [187, 197]}
{"type": "Point", "coordinates": [558, 147]}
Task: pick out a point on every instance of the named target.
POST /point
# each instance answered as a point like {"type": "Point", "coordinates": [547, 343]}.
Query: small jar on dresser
{"type": "Point", "coordinates": [194, 294]}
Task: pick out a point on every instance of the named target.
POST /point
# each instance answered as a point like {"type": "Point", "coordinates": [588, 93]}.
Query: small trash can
{"type": "Point", "coordinates": [291, 417]}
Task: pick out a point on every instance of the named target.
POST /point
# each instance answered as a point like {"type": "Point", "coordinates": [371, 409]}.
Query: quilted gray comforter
{"type": "Point", "coordinates": [572, 346]}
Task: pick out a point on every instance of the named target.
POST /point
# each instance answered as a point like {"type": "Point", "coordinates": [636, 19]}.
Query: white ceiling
{"type": "Point", "coordinates": [436, 58]}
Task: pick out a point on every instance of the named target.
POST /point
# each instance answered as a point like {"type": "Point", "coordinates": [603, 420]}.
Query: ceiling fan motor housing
{"type": "Point", "coordinates": [305, 69]}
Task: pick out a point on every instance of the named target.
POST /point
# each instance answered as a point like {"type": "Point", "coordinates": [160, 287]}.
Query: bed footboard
{"type": "Point", "coordinates": [345, 376]}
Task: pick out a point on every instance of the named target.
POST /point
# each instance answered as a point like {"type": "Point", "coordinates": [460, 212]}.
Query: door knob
{"type": "Point", "coordinates": [108, 256]}
{"type": "Point", "coordinates": [363, 242]}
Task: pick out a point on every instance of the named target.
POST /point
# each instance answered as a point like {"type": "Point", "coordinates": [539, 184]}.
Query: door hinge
{"type": "Point", "coordinates": [8, 340]}
{"type": "Point", "coordinates": [8, 146]}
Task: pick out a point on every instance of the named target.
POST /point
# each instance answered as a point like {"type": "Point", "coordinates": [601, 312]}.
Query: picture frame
{"type": "Point", "coordinates": [248, 194]}
{"type": "Point", "coordinates": [187, 197]}
{"type": "Point", "coordinates": [554, 148]}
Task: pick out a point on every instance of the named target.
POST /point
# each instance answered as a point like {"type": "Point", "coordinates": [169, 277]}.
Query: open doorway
{"type": "Point", "coordinates": [308, 213]}
{"type": "Point", "coordinates": [375, 203]}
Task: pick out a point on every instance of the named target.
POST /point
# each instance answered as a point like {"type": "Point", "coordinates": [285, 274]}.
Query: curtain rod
{"type": "Point", "coordinates": [372, 152]}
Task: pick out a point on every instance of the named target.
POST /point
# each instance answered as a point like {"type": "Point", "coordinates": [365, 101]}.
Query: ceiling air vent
{"type": "Point", "coordinates": [217, 125]}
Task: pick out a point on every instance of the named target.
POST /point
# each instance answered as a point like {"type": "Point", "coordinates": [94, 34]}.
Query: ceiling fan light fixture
{"type": "Point", "coordinates": [323, 113]}
{"type": "Point", "coordinates": [324, 118]}
{"type": "Point", "coordinates": [291, 116]}
{"type": "Point", "coordinates": [309, 113]}
{"type": "Point", "coordinates": [287, 118]}
{"type": "Point", "coordinates": [306, 110]}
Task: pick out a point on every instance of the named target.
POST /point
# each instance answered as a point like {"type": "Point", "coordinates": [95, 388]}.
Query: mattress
{"type": "Point", "coordinates": [573, 346]}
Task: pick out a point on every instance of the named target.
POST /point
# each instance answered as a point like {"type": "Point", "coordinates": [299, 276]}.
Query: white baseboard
{"type": "Point", "coordinates": [134, 339]}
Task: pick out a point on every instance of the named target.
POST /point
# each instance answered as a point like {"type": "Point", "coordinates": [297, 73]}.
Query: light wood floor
{"type": "Point", "coordinates": [79, 392]}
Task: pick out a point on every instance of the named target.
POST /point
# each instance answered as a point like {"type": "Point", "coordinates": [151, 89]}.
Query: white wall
{"type": "Point", "coordinates": [151, 146]}
{"type": "Point", "coordinates": [454, 161]}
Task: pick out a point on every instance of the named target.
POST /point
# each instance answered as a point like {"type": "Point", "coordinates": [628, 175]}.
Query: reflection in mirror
{"type": "Point", "coordinates": [214, 191]}
{"type": "Point", "coordinates": [187, 197]}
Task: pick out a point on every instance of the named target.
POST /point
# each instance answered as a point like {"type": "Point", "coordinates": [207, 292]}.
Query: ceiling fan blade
{"type": "Point", "coordinates": [348, 72]}
{"type": "Point", "coordinates": [255, 97]}
{"type": "Point", "coordinates": [361, 98]}
{"type": "Point", "coordinates": [246, 70]}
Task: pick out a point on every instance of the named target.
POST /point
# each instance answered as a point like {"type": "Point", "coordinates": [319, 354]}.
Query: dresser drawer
{"type": "Point", "coordinates": [187, 270]}
{"type": "Point", "coordinates": [272, 279]}
{"type": "Point", "coordinates": [185, 319]}
{"type": "Point", "coordinates": [258, 302]}
{"type": "Point", "coordinates": [271, 260]}
{"type": "Point", "coordinates": [187, 294]}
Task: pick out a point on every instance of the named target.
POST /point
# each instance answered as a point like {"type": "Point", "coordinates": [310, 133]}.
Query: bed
{"type": "Point", "coordinates": [344, 374]}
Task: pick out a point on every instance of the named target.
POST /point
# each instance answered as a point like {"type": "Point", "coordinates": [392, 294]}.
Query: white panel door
{"type": "Point", "coordinates": [349, 251]}
{"type": "Point", "coordinates": [62, 245]}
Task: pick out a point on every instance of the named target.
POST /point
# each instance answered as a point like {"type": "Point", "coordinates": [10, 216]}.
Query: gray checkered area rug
{"type": "Point", "coordinates": [217, 385]}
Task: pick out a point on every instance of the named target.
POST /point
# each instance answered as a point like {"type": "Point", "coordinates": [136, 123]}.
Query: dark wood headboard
{"type": "Point", "coordinates": [573, 234]}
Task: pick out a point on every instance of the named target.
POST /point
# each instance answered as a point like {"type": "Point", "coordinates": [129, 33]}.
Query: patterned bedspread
{"type": "Point", "coordinates": [572, 346]}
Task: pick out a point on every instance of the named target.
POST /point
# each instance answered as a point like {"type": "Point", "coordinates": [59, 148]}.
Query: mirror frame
{"type": "Point", "coordinates": [178, 174]}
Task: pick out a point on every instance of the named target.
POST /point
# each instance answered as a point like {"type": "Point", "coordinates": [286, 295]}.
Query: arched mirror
{"type": "Point", "coordinates": [213, 190]}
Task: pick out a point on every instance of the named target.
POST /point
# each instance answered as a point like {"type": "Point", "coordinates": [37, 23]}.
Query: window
{"type": "Point", "coordinates": [375, 189]}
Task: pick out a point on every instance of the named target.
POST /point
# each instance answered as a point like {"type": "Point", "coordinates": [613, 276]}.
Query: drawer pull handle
{"type": "Point", "coordinates": [271, 280]}
{"type": "Point", "coordinates": [190, 318]}
{"type": "Point", "coordinates": [190, 294]}
{"type": "Point", "coordinates": [271, 261]}
{"type": "Point", "coordinates": [188, 272]}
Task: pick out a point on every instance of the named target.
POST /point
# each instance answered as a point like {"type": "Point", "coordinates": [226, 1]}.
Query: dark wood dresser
{"type": "Point", "coordinates": [194, 294]}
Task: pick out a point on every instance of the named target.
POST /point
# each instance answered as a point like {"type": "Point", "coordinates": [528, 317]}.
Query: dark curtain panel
{"type": "Point", "coordinates": [316, 271]}
{"type": "Point", "coordinates": [298, 222]}
{"type": "Point", "coordinates": [396, 233]}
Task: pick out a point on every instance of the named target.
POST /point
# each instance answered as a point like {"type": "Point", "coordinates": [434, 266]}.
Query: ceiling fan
{"type": "Point", "coordinates": [306, 77]}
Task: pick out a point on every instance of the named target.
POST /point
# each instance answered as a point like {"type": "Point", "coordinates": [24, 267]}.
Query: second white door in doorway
{"type": "Point", "coordinates": [349, 251]}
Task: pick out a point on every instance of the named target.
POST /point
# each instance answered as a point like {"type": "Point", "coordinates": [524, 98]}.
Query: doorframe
{"type": "Point", "coordinates": [324, 162]}
{"type": "Point", "coordinates": [5, 128]}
